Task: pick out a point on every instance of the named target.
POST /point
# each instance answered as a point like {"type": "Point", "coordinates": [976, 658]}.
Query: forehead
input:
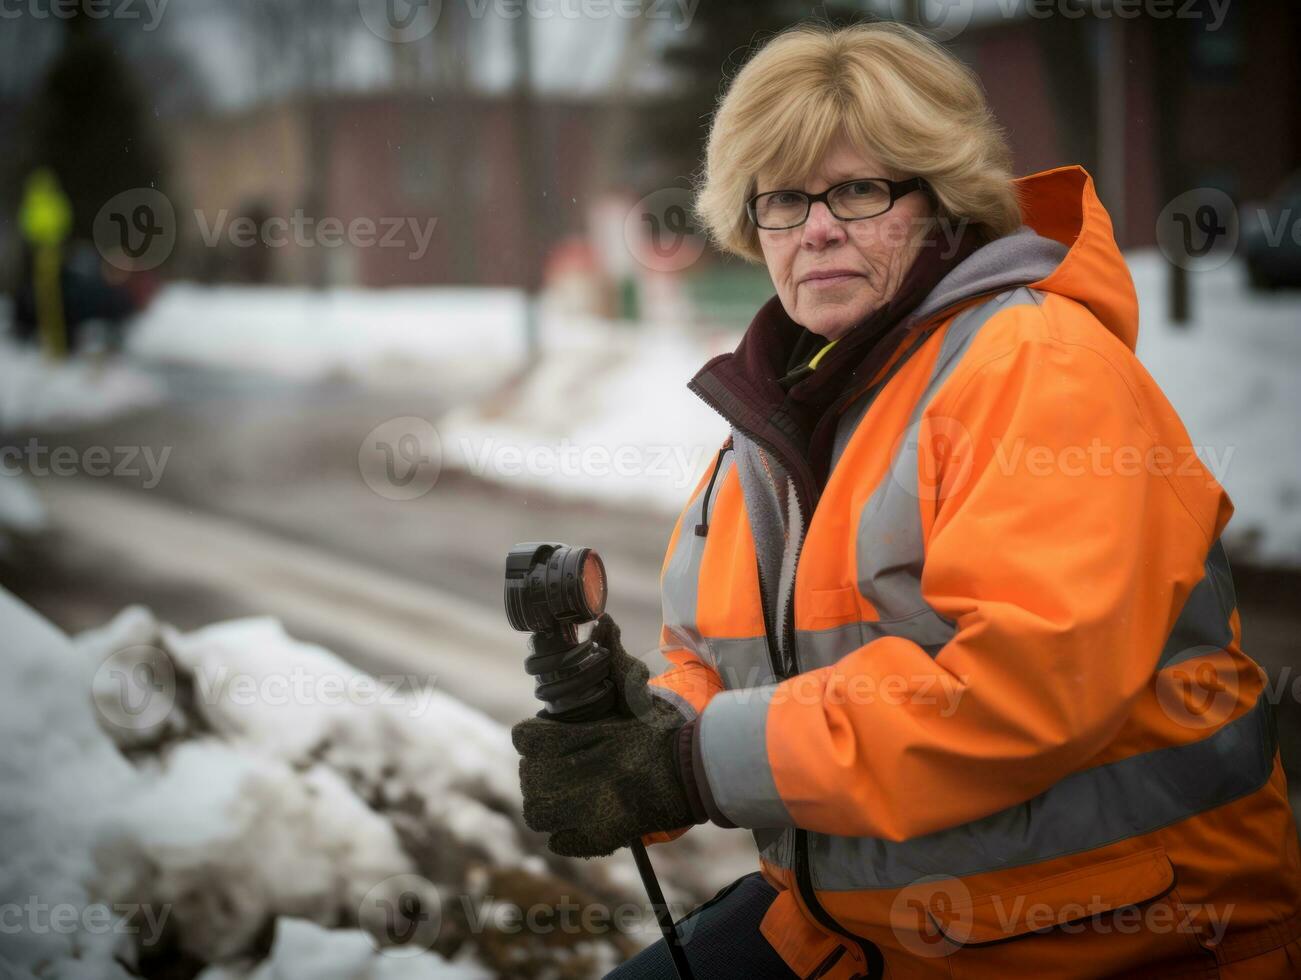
{"type": "Point", "coordinates": [842, 160]}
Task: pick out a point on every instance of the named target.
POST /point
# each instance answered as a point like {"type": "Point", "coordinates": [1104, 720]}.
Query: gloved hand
{"type": "Point", "coordinates": [596, 786]}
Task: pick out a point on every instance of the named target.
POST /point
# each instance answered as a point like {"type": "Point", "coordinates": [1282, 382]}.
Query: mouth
{"type": "Point", "coordinates": [827, 278]}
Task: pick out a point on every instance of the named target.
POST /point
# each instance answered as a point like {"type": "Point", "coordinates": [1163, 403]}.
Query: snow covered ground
{"type": "Point", "coordinates": [237, 800]}
{"type": "Point", "coordinates": [1234, 376]}
{"type": "Point", "coordinates": [40, 395]}
{"type": "Point", "coordinates": [605, 413]}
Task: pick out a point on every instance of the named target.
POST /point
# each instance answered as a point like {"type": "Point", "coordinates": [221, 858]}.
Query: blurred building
{"type": "Point", "coordinates": [453, 163]}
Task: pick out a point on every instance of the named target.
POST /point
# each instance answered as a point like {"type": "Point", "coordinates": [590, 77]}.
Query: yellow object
{"type": "Point", "coordinates": [818, 356]}
{"type": "Point", "coordinates": [45, 217]}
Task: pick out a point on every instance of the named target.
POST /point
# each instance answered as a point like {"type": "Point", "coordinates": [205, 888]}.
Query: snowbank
{"type": "Point", "coordinates": [222, 798]}
{"type": "Point", "coordinates": [39, 394]}
{"type": "Point", "coordinates": [1232, 374]}
{"type": "Point", "coordinates": [50, 395]}
{"type": "Point", "coordinates": [612, 421]}
{"type": "Point", "coordinates": [445, 338]}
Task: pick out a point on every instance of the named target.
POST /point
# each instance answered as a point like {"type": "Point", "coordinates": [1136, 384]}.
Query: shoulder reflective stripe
{"type": "Point", "coordinates": [1086, 810]}
{"type": "Point", "coordinates": [821, 648]}
{"type": "Point", "coordinates": [854, 414]}
{"type": "Point", "coordinates": [760, 476]}
{"type": "Point", "coordinates": [733, 736]}
{"type": "Point", "coordinates": [889, 543]}
{"type": "Point", "coordinates": [679, 591]}
{"type": "Point", "coordinates": [742, 661]}
{"type": "Point", "coordinates": [1203, 625]}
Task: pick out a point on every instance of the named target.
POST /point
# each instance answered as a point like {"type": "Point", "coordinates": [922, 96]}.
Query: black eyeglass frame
{"type": "Point", "coordinates": [898, 188]}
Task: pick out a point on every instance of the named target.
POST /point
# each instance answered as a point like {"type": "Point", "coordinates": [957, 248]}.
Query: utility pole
{"type": "Point", "coordinates": [532, 183]}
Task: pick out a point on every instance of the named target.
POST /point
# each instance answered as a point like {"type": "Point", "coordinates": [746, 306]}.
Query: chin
{"type": "Point", "coordinates": [830, 327]}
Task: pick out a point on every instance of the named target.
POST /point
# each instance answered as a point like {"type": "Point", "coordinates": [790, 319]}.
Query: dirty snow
{"type": "Point", "coordinates": [208, 789]}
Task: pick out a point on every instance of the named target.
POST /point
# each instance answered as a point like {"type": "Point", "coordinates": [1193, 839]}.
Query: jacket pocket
{"type": "Point", "coordinates": [1117, 918]}
{"type": "Point", "coordinates": [1056, 901]}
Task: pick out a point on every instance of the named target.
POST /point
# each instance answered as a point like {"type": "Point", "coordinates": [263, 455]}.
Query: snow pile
{"type": "Point", "coordinates": [1232, 375]}
{"type": "Point", "coordinates": [237, 800]}
{"type": "Point", "coordinates": [36, 392]}
{"type": "Point", "coordinates": [610, 420]}
{"type": "Point", "coordinates": [455, 339]}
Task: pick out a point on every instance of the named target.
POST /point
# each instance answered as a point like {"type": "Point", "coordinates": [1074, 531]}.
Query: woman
{"type": "Point", "coordinates": [947, 624]}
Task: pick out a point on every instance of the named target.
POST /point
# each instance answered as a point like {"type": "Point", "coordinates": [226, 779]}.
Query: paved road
{"type": "Point", "coordinates": [274, 466]}
{"type": "Point", "coordinates": [262, 508]}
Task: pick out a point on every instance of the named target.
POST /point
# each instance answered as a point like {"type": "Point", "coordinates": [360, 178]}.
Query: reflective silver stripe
{"type": "Point", "coordinates": [742, 661]}
{"type": "Point", "coordinates": [890, 551]}
{"type": "Point", "coordinates": [1203, 625]}
{"type": "Point", "coordinates": [679, 590]}
{"type": "Point", "coordinates": [821, 648]}
{"type": "Point", "coordinates": [776, 846]}
{"type": "Point", "coordinates": [734, 744]}
{"type": "Point", "coordinates": [1085, 810]}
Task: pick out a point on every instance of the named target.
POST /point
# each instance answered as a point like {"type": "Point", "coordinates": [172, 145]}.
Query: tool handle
{"type": "Point", "coordinates": [662, 914]}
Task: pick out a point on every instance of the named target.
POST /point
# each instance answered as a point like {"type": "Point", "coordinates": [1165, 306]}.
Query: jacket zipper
{"type": "Point", "coordinates": [803, 874]}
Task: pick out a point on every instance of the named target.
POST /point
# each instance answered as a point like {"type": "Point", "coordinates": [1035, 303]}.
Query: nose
{"type": "Point", "coordinates": [822, 228]}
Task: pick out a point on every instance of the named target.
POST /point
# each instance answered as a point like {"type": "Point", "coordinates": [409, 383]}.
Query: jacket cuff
{"type": "Point", "coordinates": [692, 768]}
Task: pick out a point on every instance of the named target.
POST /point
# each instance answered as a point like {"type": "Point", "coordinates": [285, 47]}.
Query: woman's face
{"type": "Point", "coordinates": [830, 273]}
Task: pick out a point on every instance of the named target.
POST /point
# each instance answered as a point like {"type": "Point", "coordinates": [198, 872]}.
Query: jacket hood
{"type": "Point", "coordinates": [1065, 246]}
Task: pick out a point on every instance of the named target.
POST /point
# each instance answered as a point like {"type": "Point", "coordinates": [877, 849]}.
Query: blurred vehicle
{"type": "Point", "coordinates": [98, 299]}
{"type": "Point", "coordinates": [1271, 235]}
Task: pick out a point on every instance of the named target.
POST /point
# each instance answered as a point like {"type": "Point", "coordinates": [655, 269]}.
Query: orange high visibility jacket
{"type": "Point", "coordinates": [996, 720]}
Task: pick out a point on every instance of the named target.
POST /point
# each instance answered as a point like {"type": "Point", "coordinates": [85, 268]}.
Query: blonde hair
{"type": "Point", "coordinates": [887, 88]}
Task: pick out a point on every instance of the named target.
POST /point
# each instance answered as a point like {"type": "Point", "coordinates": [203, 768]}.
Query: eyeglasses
{"type": "Point", "coordinates": [852, 200]}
